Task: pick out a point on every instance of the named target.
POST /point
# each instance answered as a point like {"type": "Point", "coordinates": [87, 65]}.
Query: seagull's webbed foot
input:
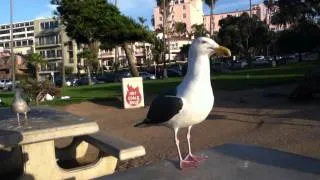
{"type": "Point", "coordinates": [197, 159]}
{"type": "Point", "coordinates": [184, 164]}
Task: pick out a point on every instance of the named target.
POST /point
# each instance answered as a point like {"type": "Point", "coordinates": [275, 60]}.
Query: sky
{"type": "Point", "coordinates": [31, 9]}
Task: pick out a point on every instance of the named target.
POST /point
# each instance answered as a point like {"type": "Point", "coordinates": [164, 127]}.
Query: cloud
{"type": "Point", "coordinates": [48, 12]}
{"type": "Point", "coordinates": [52, 7]}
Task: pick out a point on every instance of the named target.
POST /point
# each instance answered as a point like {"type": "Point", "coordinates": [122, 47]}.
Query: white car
{"type": "Point", "coordinates": [2, 83]}
{"type": "Point", "coordinates": [5, 83]}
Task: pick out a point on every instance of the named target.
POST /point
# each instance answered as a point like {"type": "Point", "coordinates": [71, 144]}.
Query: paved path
{"type": "Point", "coordinates": [230, 162]}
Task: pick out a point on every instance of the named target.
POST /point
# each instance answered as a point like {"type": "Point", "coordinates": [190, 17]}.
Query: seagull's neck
{"type": "Point", "coordinates": [198, 69]}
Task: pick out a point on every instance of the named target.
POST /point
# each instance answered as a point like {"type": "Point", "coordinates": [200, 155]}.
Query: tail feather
{"type": "Point", "coordinates": [142, 124]}
{"type": "Point", "coordinates": [139, 124]}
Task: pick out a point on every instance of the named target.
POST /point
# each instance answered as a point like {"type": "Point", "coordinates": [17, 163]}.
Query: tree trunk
{"type": "Point", "coordinates": [89, 75]}
{"type": "Point", "coordinates": [131, 60]}
{"type": "Point", "coordinates": [37, 72]}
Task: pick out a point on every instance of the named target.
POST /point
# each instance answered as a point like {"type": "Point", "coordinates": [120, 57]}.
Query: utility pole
{"type": "Point", "coordinates": [250, 8]}
{"type": "Point", "coordinates": [116, 50]}
{"type": "Point", "coordinates": [164, 39]}
{"type": "Point", "coordinates": [13, 60]}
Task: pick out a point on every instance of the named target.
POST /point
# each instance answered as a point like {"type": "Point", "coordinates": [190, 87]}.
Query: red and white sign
{"type": "Point", "coordinates": [132, 92]}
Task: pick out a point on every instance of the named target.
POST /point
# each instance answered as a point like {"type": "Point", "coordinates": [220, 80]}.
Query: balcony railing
{"type": "Point", "coordinates": [47, 44]}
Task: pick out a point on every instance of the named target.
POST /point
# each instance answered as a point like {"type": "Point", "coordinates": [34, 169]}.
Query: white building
{"type": "Point", "coordinates": [23, 37]}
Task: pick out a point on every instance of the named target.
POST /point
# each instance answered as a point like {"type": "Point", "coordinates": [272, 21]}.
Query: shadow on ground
{"type": "Point", "coordinates": [271, 157]}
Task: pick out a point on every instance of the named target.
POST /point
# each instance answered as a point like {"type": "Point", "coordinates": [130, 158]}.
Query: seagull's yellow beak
{"type": "Point", "coordinates": [222, 51]}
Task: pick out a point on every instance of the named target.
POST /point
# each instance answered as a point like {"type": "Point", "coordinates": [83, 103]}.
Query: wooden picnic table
{"type": "Point", "coordinates": [36, 138]}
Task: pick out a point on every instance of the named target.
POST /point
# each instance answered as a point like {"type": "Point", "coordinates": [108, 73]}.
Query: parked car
{"type": "Point", "coordinates": [5, 84]}
{"type": "Point", "coordinates": [122, 74]}
{"type": "Point", "coordinates": [147, 76]}
{"type": "Point", "coordinates": [107, 77]}
{"type": "Point", "coordinates": [174, 73]}
{"type": "Point", "coordinates": [70, 81]}
{"type": "Point", "coordinates": [2, 83]}
{"type": "Point", "coordinates": [85, 81]}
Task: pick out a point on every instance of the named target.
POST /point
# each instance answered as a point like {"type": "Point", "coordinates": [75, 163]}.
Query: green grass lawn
{"type": "Point", "coordinates": [237, 80]}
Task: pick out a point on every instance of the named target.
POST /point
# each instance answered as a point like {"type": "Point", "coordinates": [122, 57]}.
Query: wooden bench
{"type": "Point", "coordinates": [117, 147]}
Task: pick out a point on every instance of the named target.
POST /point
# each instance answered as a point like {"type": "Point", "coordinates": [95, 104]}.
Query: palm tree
{"type": "Point", "coordinates": [180, 28]}
{"type": "Point", "coordinates": [142, 21]}
{"type": "Point", "coordinates": [199, 30]}
{"type": "Point", "coordinates": [211, 4]}
{"type": "Point", "coordinates": [269, 4]}
{"type": "Point", "coordinates": [36, 61]}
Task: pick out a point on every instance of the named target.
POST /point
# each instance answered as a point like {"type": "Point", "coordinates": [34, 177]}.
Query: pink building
{"type": "Point", "coordinates": [187, 11]}
{"type": "Point", "coordinates": [191, 12]}
{"type": "Point", "coordinates": [259, 10]}
{"type": "Point", "coordinates": [5, 64]}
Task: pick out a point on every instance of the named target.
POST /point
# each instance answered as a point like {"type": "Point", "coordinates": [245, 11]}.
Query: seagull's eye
{"type": "Point", "coordinates": [203, 42]}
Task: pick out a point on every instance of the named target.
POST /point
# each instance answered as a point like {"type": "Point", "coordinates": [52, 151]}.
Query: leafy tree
{"type": "Point", "coordinates": [302, 38]}
{"type": "Point", "coordinates": [94, 21]}
{"type": "Point", "coordinates": [36, 61]}
{"type": "Point", "coordinates": [124, 33]}
{"type": "Point", "coordinates": [294, 11]}
{"type": "Point", "coordinates": [211, 4]}
{"type": "Point", "coordinates": [244, 35]}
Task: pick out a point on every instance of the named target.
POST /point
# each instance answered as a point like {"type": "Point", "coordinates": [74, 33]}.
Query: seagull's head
{"type": "Point", "coordinates": [207, 46]}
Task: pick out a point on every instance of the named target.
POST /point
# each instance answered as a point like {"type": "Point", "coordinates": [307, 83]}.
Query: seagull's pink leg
{"type": "Point", "coordinates": [190, 156]}
{"type": "Point", "coordinates": [183, 162]}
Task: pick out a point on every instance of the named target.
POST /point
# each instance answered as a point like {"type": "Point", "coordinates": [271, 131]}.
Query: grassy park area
{"type": "Point", "coordinates": [237, 80]}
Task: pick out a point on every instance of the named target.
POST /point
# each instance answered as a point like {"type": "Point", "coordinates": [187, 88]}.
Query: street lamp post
{"type": "Point", "coordinates": [13, 61]}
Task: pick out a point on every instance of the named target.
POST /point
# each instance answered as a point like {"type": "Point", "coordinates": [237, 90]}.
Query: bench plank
{"type": "Point", "coordinates": [118, 147]}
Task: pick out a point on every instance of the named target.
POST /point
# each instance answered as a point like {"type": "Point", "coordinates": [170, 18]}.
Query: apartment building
{"type": "Point", "coordinates": [187, 11]}
{"type": "Point", "coordinates": [52, 42]}
{"type": "Point", "coordinates": [260, 10]}
{"type": "Point", "coordinates": [23, 37]}
{"type": "Point", "coordinates": [141, 51]}
{"type": "Point", "coordinates": [6, 64]}
{"type": "Point", "coordinates": [191, 12]}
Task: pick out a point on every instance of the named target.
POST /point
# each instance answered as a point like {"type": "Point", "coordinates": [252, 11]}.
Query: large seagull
{"type": "Point", "coordinates": [191, 101]}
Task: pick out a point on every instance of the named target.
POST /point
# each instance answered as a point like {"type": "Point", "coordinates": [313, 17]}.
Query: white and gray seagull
{"type": "Point", "coordinates": [191, 101]}
{"type": "Point", "coordinates": [19, 105]}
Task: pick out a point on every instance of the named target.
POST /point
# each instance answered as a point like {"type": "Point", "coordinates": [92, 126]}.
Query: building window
{"type": "Point", "coordinates": [30, 28]}
{"type": "Point", "coordinates": [6, 45]}
{"type": "Point", "coordinates": [184, 15]}
{"type": "Point", "coordinates": [19, 30]}
{"type": "Point", "coordinates": [59, 53]}
{"type": "Point", "coordinates": [30, 34]}
{"type": "Point", "coordinates": [19, 36]}
{"type": "Point", "coordinates": [184, 6]}
{"type": "Point", "coordinates": [160, 18]}
{"type": "Point", "coordinates": [5, 32]}
{"type": "Point", "coordinates": [1, 44]}
{"type": "Point", "coordinates": [18, 43]}
{"type": "Point", "coordinates": [43, 54]}
{"type": "Point", "coordinates": [24, 43]}
{"type": "Point", "coordinates": [181, 1]}
{"type": "Point", "coordinates": [30, 42]}
{"type": "Point", "coordinates": [49, 25]}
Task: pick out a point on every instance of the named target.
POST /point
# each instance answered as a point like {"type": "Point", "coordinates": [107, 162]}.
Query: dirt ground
{"type": "Point", "coordinates": [263, 117]}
